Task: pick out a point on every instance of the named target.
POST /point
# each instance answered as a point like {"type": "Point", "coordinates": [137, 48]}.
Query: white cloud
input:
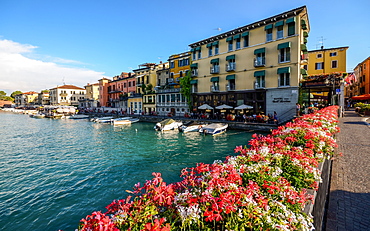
{"type": "Point", "coordinates": [20, 72]}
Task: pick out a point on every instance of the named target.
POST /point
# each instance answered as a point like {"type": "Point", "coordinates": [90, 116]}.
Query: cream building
{"type": "Point", "coordinates": [258, 64]}
{"type": "Point", "coordinates": [68, 95]}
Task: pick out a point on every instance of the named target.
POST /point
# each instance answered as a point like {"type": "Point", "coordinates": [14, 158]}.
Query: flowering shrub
{"type": "Point", "coordinates": [264, 187]}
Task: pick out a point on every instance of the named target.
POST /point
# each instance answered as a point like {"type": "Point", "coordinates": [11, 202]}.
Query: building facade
{"type": "Point", "coordinates": [362, 72]}
{"type": "Point", "coordinates": [26, 99]}
{"type": "Point", "coordinates": [103, 92]}
{"type": "Point", "coordinates": [92, 97]}
{"type": "Point", "coordinates": [67, 95]}
{"type": "Point", "coordinates": [258, 64]}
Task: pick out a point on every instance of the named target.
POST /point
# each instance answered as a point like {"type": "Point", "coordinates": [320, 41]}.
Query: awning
{"type": "Point", "coordinates": [268, 27]}
{"type": "Point", "coordinates": [290, 20]}
{"type": "Point", "coordinates": [284, 45]}
{"type": "Point", "coordinates": [283, 70]}
{"type": "Point", "coordinates": [198, 48]}
{"type": "Point", "coordinates": [259, 51]}
{"type": "Point", "coordinates": [224, 106]}
{"type": "Point", "coordinates": [361, 97]}
{"type": "Point", "coordinates": [194, 65]}
{"type": "Point", "coordinates": [215, 60]}
{"type": "Point", "coordinates": [230, 57]}
{"type": "Point", "coordinates": [303, 47]}
{"type": "Point", "coordinates": [229, 39]}
{"type": "Point", "coordinates": [194, 81]}
{"type": "Point", "coordinates": [237, 36]}
{"type": "Point", "coordinates": [305, 34]}
{"type": "Point", "coordinates": [303, 24]}
{"type": "Point", "coordinates": [259, 73]}
{"type": "Point", "coordinates": [230, 77]}
{"type": "Point", "coordinates": [209, 45]}
{"type": "Point", "coordinates": [245, 34]}
{"type": "Point", "coordinates": [215, 43]}
{"type": "Point", "coordinates": [281, 23]}
{"type": "Point", "coordinates": [215, 79]}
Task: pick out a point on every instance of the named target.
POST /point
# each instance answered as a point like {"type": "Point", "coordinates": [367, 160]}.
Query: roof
{"type": "Point", "coordinates": [30, 93]}
{"type": "Point", "coordinates": [328, 49]}
{"type": "Point", "coordinates": [287, 14]}
{"type": "Point", "coordinates": [69, 87]}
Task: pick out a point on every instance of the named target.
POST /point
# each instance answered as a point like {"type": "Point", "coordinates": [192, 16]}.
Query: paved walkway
{"type": "Point", "coordinates": [349, 198]}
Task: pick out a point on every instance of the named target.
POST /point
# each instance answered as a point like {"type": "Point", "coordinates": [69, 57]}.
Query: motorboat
{"type": "Point", "coordinates": [124, 121]}
{"type": "Point", "coordinates": [79, 116]}
{"type": "Point", "coordinates": [37, 116]}
{"type": "Point", "coordinates": [191, 127]}
{"type": "Point", "coordinates": [103, 119]}
{"type": "Point", "coordinates": [167, 124]}
{"type": "Point", "coordinates": [214, 129]}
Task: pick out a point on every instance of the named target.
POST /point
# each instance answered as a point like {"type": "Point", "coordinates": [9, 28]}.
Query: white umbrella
{"type": "Point", "coordinates": [224, 106]}
{"type": "Point", "coordinates": [205, 107]}
{"type": "Point", "coordinates": [243, 106]}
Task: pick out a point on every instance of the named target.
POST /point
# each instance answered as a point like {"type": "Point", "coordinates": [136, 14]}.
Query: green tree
{"type": "Point", "coordinates": [15, 93]}
{"type": "Point", "coordinates": [2, 93]}
{"type": "Point", "coordinates": [186, 89]}
{"type": "Point", "coordinates": [3, 96]}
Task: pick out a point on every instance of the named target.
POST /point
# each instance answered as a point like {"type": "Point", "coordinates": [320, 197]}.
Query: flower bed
{"type": "Point", "coordinates": [264, 187]}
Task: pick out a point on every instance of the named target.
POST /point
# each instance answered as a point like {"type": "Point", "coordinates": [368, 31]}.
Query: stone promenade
{"type": "Point", "coordinates": [349, 198]}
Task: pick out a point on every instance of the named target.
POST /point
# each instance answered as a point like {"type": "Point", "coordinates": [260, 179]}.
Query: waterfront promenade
{"type": "Point", "coordinates": [349, 198]}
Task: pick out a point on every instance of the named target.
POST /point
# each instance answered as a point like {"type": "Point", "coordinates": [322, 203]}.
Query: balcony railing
{"type": "Point", "coordinates": [259, 62]}
{"type": "Point", "coordinates": [230, 87]}
{"type": "Point", "coordinates": [171, 104]}
{"type": "Point", "coordinates": [230, 67]}
{"type": "Point", "coordinates": [194, 72]}
{"type": "Point", "coordinates": [215, 69]}
{"type": "Point", "coordinates": [171, 90]}
{"type": "Point", "coordinates": [215, 89]}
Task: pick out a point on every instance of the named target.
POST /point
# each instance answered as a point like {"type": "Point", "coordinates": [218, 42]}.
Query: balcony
{"type": "Point", "coordinates": [259, 85]}
{"type": "Point", "coordinates": [215, 89]}
{"type": "Point", "coordinates": [259, 62]}
{"type": "Point", "coordinates": [230, 87]}
{"type": "Point", "coordinates": [215, 70]}
{"type": "Point", "coordinates": [170, 90]}
{"type": "Point", "coordinates": [194, 72]}
{"type": "Point", "coordinates": [230, 67]}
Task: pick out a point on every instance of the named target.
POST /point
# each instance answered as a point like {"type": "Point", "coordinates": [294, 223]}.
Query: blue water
{"type": "Point", "coordinates": [55, 172]}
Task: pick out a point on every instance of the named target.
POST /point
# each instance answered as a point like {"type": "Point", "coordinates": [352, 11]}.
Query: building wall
{"type": "Point", "coordinates": [362, 71]}
{"type": "Point", "coordinates": [103, 92]}
{"type": "Point", "coordinates": [327, 56]}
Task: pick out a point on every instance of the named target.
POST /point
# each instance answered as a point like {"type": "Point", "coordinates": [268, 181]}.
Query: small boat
{"type": "Point", "coordinates": [167, 124]}
{"type": "Point", "coordinates": [214, 129]}
{"type": "Point", "coordinates": [124, 121]}
{"type": "Point", "coordinates": [37, 116]}
{"type": "Point", "coordinates": [191, 127]}
{"type": "Point", "coordinates": [79, 116]}
{"type": "Point", "coordinates": [103, 119]}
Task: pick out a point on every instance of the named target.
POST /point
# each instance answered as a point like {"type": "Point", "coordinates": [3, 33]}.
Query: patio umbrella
{"type": "Point", "coordinates": [205, 107]}
{"type": "Point", "coordinates": [224, 106]}
{"type": "Point", "coordinates": [243, 106]}
{"type": "Point", "coordinates": [361, 97]}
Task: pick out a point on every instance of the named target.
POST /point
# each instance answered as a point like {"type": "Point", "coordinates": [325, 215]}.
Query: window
{"type": "Point", "coordinates": [291, 28]}
{"type": "Point", "coordinates": [284, 79]}
{"type": "Point", "coordinates": [268, 30]}
{"type": "Point", "coordinates": [284, 55]}
{"type": "Point", "coordinates": [237, 46]}
{"type": "Point", "coordinates": [194, 55]}
{"type": "Point", "coordinates": [172, 64]}
{"type": "Point", "coordinates": [333, 54]}
{"type": "Point", "coordinates": [334, 64]}
{"type": "Point", "coordinates": [319, 56]}
{"type": "Point", "coordinates": [260, 57]}
{"type": "Point", "coordinates": [215, 66]}
{"type": "Point", "coordinates": [230, 66]}
{"type": "Point", "coordinates": [260, 82]}
{"type": "Point", "coordinates": [199, 54]}
{"type": "Point", "coordinates": [181, 73]}
{"type": "Point", "coordinates": [279, 32]}
{"type": "Point", "coordinates": [246, 41]}
{"type": "Point", "coordinates": [210, 51]}
{"type": "Point", "coordinates": [215, 86]}
{"type": "Point", "coordinates": [230, 45]}
{"type": "Point", "coordinates": [319, 66]}
{"type": "Point", "coordinates": [216, 49]}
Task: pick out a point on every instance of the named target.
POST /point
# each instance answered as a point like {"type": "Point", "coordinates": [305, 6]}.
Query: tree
{"type": "Point", "coordinates": [186, 89]}
{"type": "Point", "coordinates": [15, 93]}
{"type": "Point", "coordinates": [3, 96]}
{"type": "Point", "coordinates": [2, 93]}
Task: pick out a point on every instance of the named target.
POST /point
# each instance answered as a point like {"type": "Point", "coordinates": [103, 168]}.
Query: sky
{"type": "Point", "coordinates": [45, 44]}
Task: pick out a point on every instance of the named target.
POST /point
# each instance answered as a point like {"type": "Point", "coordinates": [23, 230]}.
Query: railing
{"type": "Point", "coordinates": [230, 87]}
{"type": "Point", "coordinates": [259, 62]}
{"type": "Point", "coordinates": [230, 67]}
{"type": "Point", "coordinates": [194, 72]}
{"type": "Point", "coordinates": [215, 69]}
{"type": "Point", "coordinates": [258, 85]}
{"type": "Point", "coordinates": [215, 88]}
{"type": "Point", "coordinates": [171, 104]}
{"type": "Point", "coordinates": [171, 90]}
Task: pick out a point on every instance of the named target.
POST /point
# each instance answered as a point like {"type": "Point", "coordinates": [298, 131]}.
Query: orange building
{"type": "Point", "coordinates": [103, 92]}
{"type": "Point", "coordinates": [362, 72]}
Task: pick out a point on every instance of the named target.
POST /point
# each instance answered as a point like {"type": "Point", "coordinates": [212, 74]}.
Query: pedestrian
{"type": "Point", "coordinates": [298, 109]}
{"type": "Point", "coordinates": [275, 117]}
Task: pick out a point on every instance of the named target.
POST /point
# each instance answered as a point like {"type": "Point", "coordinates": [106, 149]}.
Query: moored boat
{"type": "Point", "coordinates": [167, 124]}
{"type": "Point", "coordinates": [79, 116]}
{"type": "Point", "coordinates": [214, 129]}
{"type": "Point", "coordinates": [124, 121]}
{"type": "Point", "coordinates": [102, 119]}
{"type": "Point", "coordinates": [191, 127]}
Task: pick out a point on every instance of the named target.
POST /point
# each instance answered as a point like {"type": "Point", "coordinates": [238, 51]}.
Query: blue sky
{"type": "Point", "coordinates": [47, 43]}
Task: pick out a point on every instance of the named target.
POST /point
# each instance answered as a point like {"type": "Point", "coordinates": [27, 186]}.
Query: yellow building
{"type": "Point", "coordinates": [327, 60]}
{"type": "Point", "coordinates": [258, 64]}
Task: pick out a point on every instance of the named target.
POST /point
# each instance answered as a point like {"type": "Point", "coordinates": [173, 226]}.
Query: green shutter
{"type": "Point", "coordinates": [215, 43]}
{"type": "Point", "coordinates": [283, 45]}
{"type": "Point", "coordinates": [215, 60]}
{"type": "Point", "coordinates": [259, 51]}
{"type": "Point", "coordinates": [305, 34]}
{"type": "Point", "coordinates": [215, 79]}
{"type": "Point", "coordinates": [192, 49]}
{"type": "Point", "coordinates": [291, 29]}
{"type": "Point", "coordinates": [229, 39]}
{"type": "Point", "coordinates": [259, 73]}
{"type": "Point", "coordinates": [194, 65]}
{"type": "Point", "coordinates": [230, 77]}
{"type": "Point", "coordinates": [230, 57]}
{"type": "Point", "coordinates": [283, 70]}
{"type": "Point", "coordinates": [268, 27]}
{"type": "Point", "coordinates": [245, 34]}
{"type": "Point", "coordinates": [281, 23]}
{"type": "Point", "coordinates": [209, 45]}
{"type": "Point", "coordinates": [303, 47]}
{"type": "Point", "coordinates": [237, 36]}
{"type": "Point", "coordinates": [290, 20]}
{"type": "Point", "coordinates": [198, 48]}
{"type": "Point", "coordinates": [195, 81]}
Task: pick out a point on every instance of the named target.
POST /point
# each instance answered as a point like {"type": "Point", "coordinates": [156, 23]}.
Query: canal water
{"type": "Point", "coordinates": [55, 172]}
